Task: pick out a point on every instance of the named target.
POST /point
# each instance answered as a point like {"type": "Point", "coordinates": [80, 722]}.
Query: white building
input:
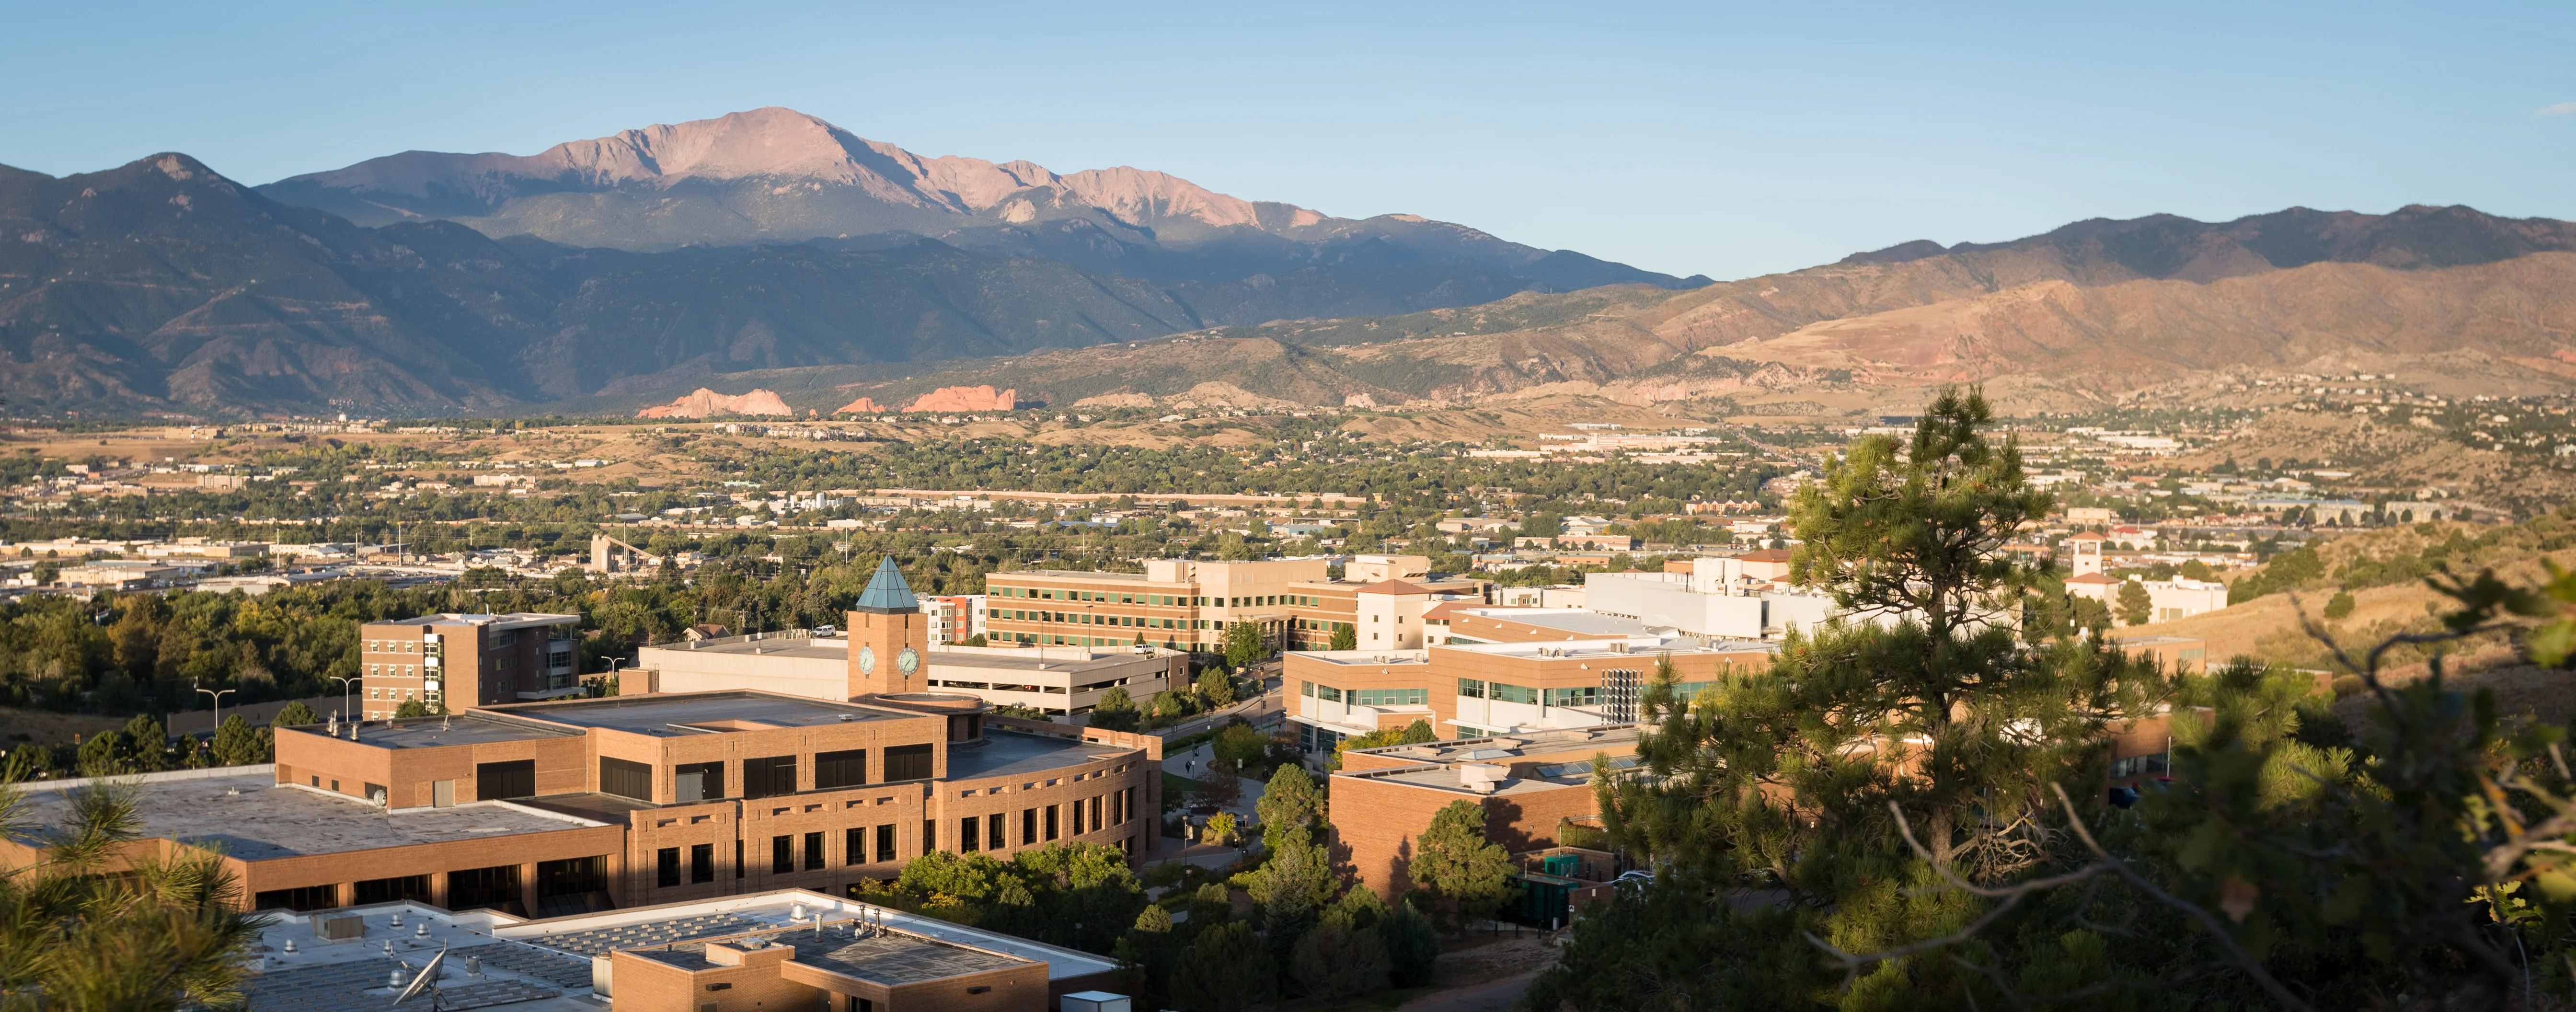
{"type": "Point", "coordinates": [2182, 597]}
{"type": "Point", "coordinates": [1062, 681]}
{"type": "Point", "coordinates": [1722, 603]}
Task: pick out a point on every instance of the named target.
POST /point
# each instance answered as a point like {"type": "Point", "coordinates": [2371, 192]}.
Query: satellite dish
{"type": "Point", "coordinates": [427, 975]}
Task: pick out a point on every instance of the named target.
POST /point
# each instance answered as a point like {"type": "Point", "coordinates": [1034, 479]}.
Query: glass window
{"type": "Point", "coordinates": [762, 778]}
{"type": "Point", "coordinates": [666, 867]}
{"type": "Point", "coordinates": [1391, 697]}
{"type": "Point", "coordinates": [1328, 693]}
{"type": "Point", "coordinates": [628, 779]}
{"type": "Point", "coordinates": [1471, 688]}
{"type": "Point", "coordinates": [1502, 693]}
{"type": "Point", "coordinates": [1587, 695]}
{"type": "Point", "coordinates": [840, 769]}
{"type": "Point", "coordinates": [908, 762]}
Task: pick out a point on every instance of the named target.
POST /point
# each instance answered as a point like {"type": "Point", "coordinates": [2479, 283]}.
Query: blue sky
{"type": "Point", "coordinates": [1729, 140]}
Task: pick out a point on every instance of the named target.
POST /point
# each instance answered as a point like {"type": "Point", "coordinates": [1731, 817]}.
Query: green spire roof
{"type": "Point", "coordinates": [887, 592]}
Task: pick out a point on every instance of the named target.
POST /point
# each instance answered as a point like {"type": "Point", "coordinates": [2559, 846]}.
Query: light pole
{"type": "Point", "coordinates": [218, 725]}
{"type": "Point", "coordinates": [347, 682]}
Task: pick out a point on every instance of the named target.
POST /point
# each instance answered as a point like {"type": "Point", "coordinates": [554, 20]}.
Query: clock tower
{"type": "Point", "coordinates": [889, 637]}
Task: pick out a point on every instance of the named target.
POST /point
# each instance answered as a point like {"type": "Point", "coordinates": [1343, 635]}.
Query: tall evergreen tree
{"type": "Point", "coordinates": [2136, 607]}
{"type": "Point", "coordinates": [1924, 700]}
{"type": "Point", "coordinates": [1227, 969]}
{"type": "Point", "coordinates": [1290, 803]}
{"type": "Point", "coordinates": [1470, 875]}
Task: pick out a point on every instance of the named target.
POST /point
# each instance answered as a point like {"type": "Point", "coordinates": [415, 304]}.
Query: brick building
{"type": "Point", "coordinates": [1476, 689]}
{"type": "Point", "coordinates": [1189, 605]}
{"type": "Point", "coordinates": [781, 949]}
{"type": "Point", "coordinates": [1530, 787]}
{"type": "Point", "coordinates": [891, 628]}
{"type": "Point", "coordinates": [465, 661]}
{"type": "Point", "coordinates": [590, 804]}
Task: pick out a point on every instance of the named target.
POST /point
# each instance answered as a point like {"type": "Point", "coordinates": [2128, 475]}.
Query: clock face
{"type": "Point", "coordinates": [908, 661]}
{"type": "Point", "coordinates": [867, 660]}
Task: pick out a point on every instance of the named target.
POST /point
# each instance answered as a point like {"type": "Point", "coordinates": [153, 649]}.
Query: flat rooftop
{"type": "Point", "coordinates": [1080, 574]}
{"type": "Point", "coordinates": [245, 812]}
{"type": "Point", "coordinates": [993, 659]}
{"type": "Point", "coordinates": [704, 713]}
{"type": "Point", "coordinates": [818, 648]}
{"type": "Point", "coordinates": [884, 956]}
{"type": "Point", "coordinates": [788, 912]}
{"type": "Point", "coordinates": [1505, 748]}
{"type": "Point", "coordinates": [1009, 753]}
{"type": "Point", "coordinates": [1641, 649]}
{"type": "Point", "coordinates": [507, 620]}
{"type": "Point", "coordinates": [325, 975]}
{"type": "Point", "coordinates": [1587, 624]}
{"type": "Point", "coordinates": [470, 728]}
{"type": "Point", "coordinates": [1366, 658]}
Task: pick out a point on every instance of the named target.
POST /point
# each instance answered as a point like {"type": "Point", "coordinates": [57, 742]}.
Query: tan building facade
{"type": "Point", "coordinates": [465, 661]}
{"type": "Point", "coordinates": [1189, 605]}
{"type": "Point", "coordinates": [1473, 690]}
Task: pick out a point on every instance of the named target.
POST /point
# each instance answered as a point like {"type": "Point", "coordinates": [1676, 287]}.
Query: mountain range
{"type": "Point", "coordinates": [770, 246]}
{"type": "Point", "coordinates": [762, 240]}
{"type": "Point", "coordinates": [2089, 314]}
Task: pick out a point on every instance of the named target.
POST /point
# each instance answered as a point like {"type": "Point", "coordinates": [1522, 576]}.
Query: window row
{"type": "Point", "coordinates": [1040, 825]}
{"type": "Point", "coordinates": [1367, 697]}
{"type": "Point", "coordinates": [1120, 621]}
{"type": "Point", "coordinates": [1159, 600]}
{"type": "Point", "coordinates": [1497, 691]}
{"type": "Point", "coordinates": [791, 852]}
{"type": "Point", "coordinates": [766, 776]}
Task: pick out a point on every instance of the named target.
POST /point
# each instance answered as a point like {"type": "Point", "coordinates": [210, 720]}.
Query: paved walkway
{"type": "Point", "coordinates": [1485, 996]}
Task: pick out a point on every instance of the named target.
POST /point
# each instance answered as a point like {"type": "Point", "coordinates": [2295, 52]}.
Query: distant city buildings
{"type": "Point", "coordinates": [1189, 605]}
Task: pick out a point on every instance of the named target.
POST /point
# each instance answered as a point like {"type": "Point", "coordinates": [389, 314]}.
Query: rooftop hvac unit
{"type": "Point", "coordinates": [338, 929]}
{"type": "Point", "coordinates": [1093, 1001]}
{"type": "Point", "coordinates": [1482, 777]}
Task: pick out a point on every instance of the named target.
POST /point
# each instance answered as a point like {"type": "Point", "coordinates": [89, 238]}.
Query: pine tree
{"type": "Point", "coordinates": [1216, 687]}
{"type": "Point", "coordinates": [1453, 861]}
{"type": "Point", "coordinates": [1412, 946]}
{"type": "Point", "coordinates": [1289, 803]}
{"type": "Point", "coordinates": [1932, 706]}
{"type": "Point", "coordinates": [295, 714]}
{"type": "Point", "coordinates": [96, 925]}
{"type": "Point", "coordinates": [2135, 606]}
{"type": "Point", "coordinates": [1228, 969]}
{"type": "Point", "coordinates": [1148, 952]}
{"type": "Point", "coordinates": [1336, 961]}
{"type": "Point", "coordinates": [1345, 637]}
{"type": "Point", "coordinates": [239, 744]}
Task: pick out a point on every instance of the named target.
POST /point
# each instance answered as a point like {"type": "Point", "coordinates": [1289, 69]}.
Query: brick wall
{"type": "Point", "coordinates": [1375, 821]}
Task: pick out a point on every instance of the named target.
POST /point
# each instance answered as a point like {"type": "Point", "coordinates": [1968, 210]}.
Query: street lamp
{"type": "Point", "coordinates": [347, 682]}
{"type": "Point", "coordinates": [218, 725]}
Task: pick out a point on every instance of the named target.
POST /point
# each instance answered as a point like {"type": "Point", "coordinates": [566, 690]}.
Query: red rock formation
{"type": "Point", "coordinates": [966, 399]}
{"type": "Point", "coordinates": [704, 402]}
{"type": "Point", "coordinates": [862, 406]}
